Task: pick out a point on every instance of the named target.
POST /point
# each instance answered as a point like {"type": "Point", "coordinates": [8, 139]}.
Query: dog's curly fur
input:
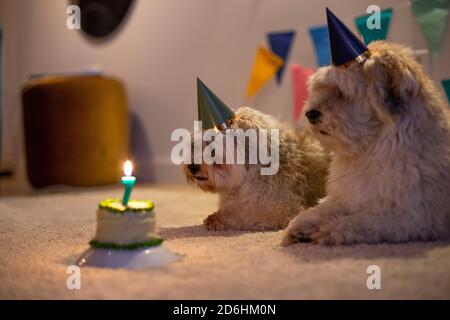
{"type": "Point", "coordinates": [254, 202]}
{"type": "Point", "coordinates": [389, 129]}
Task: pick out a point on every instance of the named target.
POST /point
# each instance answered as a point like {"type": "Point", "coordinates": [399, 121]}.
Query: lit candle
{"type": "Point", "coordinates": [128, 181]}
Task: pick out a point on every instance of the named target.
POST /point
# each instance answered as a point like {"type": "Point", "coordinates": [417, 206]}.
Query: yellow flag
{"type": "Point", "coordinates": [265, 67]}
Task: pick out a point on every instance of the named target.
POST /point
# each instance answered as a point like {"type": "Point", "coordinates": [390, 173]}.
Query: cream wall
{"type": "Point", "coordinates": [161, 49]}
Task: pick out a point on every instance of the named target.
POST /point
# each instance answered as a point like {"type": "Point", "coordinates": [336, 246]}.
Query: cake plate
{"type": "Point", "coordinates": [140, 258]}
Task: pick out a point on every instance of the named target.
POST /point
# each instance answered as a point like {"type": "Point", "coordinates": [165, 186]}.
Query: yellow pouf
{"type": "Point", "coordinates": [76, 130]}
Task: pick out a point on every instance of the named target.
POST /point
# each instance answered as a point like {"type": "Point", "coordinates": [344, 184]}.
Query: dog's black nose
{"type": "Point", "coordinates": [193, 168]}
{"type": "Point", "coordinates": [313, 115]}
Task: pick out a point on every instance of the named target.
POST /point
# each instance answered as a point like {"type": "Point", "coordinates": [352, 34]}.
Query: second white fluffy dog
{"type": "Point", "coordinates": [389, 129]}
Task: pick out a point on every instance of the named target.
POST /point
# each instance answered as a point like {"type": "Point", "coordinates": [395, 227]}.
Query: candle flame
{"type": "Point", "coordinates": [128, 168]}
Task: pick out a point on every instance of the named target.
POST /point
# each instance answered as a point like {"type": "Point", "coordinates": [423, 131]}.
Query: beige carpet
{"type": "Point", "coordinates": [41, 235]}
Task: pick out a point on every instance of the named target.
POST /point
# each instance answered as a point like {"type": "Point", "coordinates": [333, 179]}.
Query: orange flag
{"type": "Point", "coordinates": [266, 65]}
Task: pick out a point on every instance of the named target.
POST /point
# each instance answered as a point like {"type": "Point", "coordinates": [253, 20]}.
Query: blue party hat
{"type": "Point", "coordinates": [211, 110]}
{"type": "Point", "coordinates": [345, 46]}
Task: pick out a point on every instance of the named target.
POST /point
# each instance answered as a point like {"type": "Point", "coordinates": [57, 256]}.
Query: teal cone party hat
{"type": "Point", "coordinates": [346, 48]}
{"type": "Point", "coordinates": [211, 110]}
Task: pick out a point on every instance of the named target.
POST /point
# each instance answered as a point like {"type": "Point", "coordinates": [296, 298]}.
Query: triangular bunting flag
{"type": "Point", "coordinates": [370, 35]}
{"type": "Point", "coordinates": [319, 36]}
{"type": "Point", "coordinates": [446, 85]}
{"type": "Point", "coordinates": [300, 77]}
{"type": "Point", "coordinates": [264, 68]}
{"type": "Point", "coordinates": [431, 15]}
{"type": "Point", "coordinates": [280, 43]}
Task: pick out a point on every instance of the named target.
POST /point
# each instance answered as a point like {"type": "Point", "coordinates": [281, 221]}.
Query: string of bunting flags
{"type": "Point", "coordinates": [430, 15]}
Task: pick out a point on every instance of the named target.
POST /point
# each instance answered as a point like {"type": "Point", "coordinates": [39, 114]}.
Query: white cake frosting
{"type": "Point", "coordinates": [126, 227]}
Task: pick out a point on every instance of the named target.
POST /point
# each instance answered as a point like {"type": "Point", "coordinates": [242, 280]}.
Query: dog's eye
{"type": "Point", "coordinates": [213, 153]}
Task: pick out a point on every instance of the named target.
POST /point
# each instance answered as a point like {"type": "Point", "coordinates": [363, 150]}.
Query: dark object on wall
{"type": "Point", "coordinates": [76, 130]}
{"type": "Point", "coordinates": [99, 18]}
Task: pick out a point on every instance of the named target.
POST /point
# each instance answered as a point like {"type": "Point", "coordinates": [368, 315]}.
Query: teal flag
{"type": "Point", "coordinates": [321, 42]}
{"type": "Point", "coordinates": [370, 35]}
{"type": "Point", "coordinates": [431, 15]}
{"type": "Point", "coordinates": [446, 85]}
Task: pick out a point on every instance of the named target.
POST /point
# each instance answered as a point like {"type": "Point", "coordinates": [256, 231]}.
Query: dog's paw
{"type": "Point", "coordinates": [213, 223]}
{"type": "Point", "coordinates": [301, 229]}
{"type": "Point", "coordinates": [328, 236]}
{"type": "Point", "coordinates": [289, 239]}
{"type": "Point", "coordinates": [292, 236]}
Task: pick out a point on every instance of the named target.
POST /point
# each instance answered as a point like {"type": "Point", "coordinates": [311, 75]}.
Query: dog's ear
{"type": "Point", "coordinates": [392, 77]}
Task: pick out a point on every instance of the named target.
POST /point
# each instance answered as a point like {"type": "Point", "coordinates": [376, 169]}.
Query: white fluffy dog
{"type": "Point", "coordinates": [389, 130]}
{"type": "Point", "coordinates": [255, 202]}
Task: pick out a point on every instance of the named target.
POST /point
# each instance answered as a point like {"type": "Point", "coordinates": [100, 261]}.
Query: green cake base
{"type": "Point", "coordinates": [132, 246]}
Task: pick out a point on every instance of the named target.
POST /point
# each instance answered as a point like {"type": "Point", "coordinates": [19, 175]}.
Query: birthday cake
{"type": "Point", "coordinates": [125, 227]}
